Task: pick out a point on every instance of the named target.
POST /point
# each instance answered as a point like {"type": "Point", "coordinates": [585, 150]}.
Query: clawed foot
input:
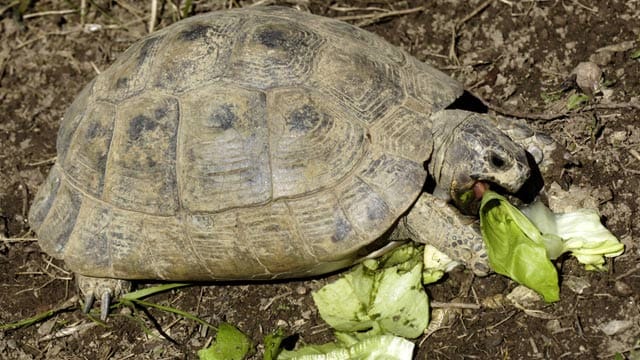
{"type": "Point", "coordinates": [104, 289]}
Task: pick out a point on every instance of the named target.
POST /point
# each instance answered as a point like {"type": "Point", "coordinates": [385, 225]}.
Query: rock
{"type": "Point", "coordinates": [576, 284]}
{"type": "Point", "coordinates": [524, 297]}
{"type": "Point", "coordinates": [616, 326]}
{"type": "Point", "coordinates": [588, 76]}
{"type": "Point", "coordinates": [622, 288]}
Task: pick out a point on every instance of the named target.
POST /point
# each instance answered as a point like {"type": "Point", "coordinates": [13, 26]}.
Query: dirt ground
{"type": "Point", "coordinates": [516, 55]}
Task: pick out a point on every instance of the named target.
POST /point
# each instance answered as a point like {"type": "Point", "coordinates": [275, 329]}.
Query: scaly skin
{"type": "Point", "coordinates": [435, 222]}
{"type": "Point", "coordinates": [470, 155]}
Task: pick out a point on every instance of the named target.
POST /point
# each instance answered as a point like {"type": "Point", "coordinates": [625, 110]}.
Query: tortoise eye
{"type": "Point", "coordinates": [497, 161]}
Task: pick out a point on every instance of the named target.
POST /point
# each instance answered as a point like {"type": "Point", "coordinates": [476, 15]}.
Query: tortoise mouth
{"type": "Point", "coordinates": [468, 199]}
{"type": "Point", "coordinates": [479, 188]}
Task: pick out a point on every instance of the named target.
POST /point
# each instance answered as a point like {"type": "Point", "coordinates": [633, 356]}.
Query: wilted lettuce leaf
{"type": "Point", "coordinates": [343, 304]}
{"type": "Point", "coordinates": [579, 232]}
{"type": "Point", "coordinates": [436, 264]}
{"type": "Point", "coordinates": [382, 296]}
{"type": "Point", "coordinates": [380, 347]}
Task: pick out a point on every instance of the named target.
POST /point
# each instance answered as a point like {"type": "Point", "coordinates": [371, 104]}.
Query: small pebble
{"type": "Point", "coordinates": [306, 314]}
{"type": "Point", "coordinates": [494, 302]}
{"type": "Point", "coordinates": [576, 197]}
{"type": "Point", "coordinates": [494, 340]}
{"type": "Point", "coordinates": [576, 284]}
{"type": "Point", "coordinates": [601, 58]}
{"type": "Point", "coordinates": [524, 297]}
{"type": "Point", "coordinates": [616, 326]}
{"type": "Point", "coordinates": [441, 318]}
{"type": "Point", "coordinates": [53, 352]}
{"type": "Point", "coordinates": [158, 351]}
{"type": "Point", "coordinates": [89, 28]}
{"type": "Point", "coordinates": [46, 327]}
{"type": "Point", "coordinates": [588, 77]}
{"type": "Point", "coordinates": [617, 137]}
{"type": "Point", "coordinates": [196, 343]}
{"type": "Point", "coordinates": [281, 323]}
{"type": "Point", "coordinates": [553, 325]}
{"type": "Point", "coordinates": [301, 290]}
{"type": "Point", "coordinates": [622, 288]}
{"type": "Point", "coordinates": [126, 311]}
{"type": "Point", "coordinates": [12, 344]}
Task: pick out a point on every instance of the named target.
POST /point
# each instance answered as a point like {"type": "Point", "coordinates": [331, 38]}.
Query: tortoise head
{"type": "Point", "coordinates": [469, 149]}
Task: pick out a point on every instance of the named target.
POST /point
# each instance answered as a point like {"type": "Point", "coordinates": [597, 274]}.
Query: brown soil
{"type": "Point", "coordinates": [513, 54]}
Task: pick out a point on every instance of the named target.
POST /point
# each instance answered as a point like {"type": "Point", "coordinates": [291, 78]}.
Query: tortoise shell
{"type": "Point", "coordinates": [244, 144]}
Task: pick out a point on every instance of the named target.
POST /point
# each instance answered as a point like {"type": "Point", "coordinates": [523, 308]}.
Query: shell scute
{"type": "Point", "coordinates": [72, 118]}
{"type": "Point", "coordinates": [223, 159]}
{"type": "Point", "coordinates": [404, 133]}
{"type": "Point", "coordinates": [62, 214]}
{"type": "Point", "coordinates": [140, 171]}
{"type": "Point", "coordinates": [362, 84]}
{"type": "Point", "coordinates": [194, 55]}
{"type": "Point", "coordinates": [86, 160]}
{"type": "Point", "coordinates": [313, 145]}
{"type": "Point", "coordinates": [128, 75]}
{"type": "Point", "coordinates": [272, 52]}
{"type": "Point", "coordinates": [432, 89]}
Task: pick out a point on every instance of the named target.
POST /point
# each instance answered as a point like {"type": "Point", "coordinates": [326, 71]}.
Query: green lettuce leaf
{"type": "Point", "coordinates": [230, 344]}
{"type": "Point", "coordinates": [272, 343]}
{"type": "Point", "coordinates": [515, 246]}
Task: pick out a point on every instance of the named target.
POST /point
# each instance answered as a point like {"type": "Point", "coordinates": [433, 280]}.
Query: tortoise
{"type": "Point", "coordinates": [266, 143]}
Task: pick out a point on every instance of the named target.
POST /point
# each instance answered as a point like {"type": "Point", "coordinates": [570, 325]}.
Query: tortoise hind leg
{"type": "Point", "coordinates": [101, 288]}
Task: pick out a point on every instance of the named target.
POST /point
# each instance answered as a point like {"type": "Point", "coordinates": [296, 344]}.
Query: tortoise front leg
{"type": "Point", "coordinates": [435, 222]}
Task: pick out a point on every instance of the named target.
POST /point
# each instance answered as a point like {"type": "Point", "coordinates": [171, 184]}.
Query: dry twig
{"type": "Point", "coordinates": [42, 162]}
{"type": "Point", "coordinates": [153, 16]}
{"type": "Point", "coordinates": [630, 272]}
{"type": "Point", "coordinates": [9, 6]}
{"type": "Point", "coordinates": [370, 18]}
{"type": "Point", "coordinates": [17, 239]}
{"type": "Point", "coordinates": [54, 33]}
{"type": "Point", "coordinates": [83, 12]}
{"type": "Point", "coordinates": [556, 116]}
{"type": "Point", "coordinates": [131, 9]}
{"type": "Point", "coordinates": [454, 305]}
{"type": "Point", "coordinates": [70, 330]}
{"type": "Point", "coordinates": [454, 33]}
{"type": "Point", "coordinates": [347, 9]}
{"type": "Point", "coordinates": [270, 302]}
{"type": "Point", "coordinates": [48, 13]}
